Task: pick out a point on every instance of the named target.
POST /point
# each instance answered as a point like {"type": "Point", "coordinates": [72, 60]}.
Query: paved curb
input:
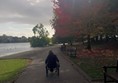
{"type": "Point", "coordinates": [77, 68]}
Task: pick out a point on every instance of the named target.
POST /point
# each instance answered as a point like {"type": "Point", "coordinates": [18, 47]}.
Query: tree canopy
{"type": "Point", "coordinates": [40, 31]}
{"type": "Point", "coordinates": [40, 37]}
{"type": "Point", "coordinates": [78, 18]}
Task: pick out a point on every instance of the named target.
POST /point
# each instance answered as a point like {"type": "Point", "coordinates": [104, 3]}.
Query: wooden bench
{"type": "Point", "coordinates": [72, 51]}
{"type": "Point", "coordinates": [63, 48]}
{"type": "Point", "coordinates": [111, 76]}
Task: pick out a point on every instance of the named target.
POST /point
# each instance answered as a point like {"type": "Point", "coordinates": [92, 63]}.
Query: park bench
{"type": "Point", "coordinates": [63, 48]}
{"type": "Point", "coordinates": [69, 50]}
{"type": "Point", "coordinates": [72, 51]}
{"type": "Point", "coordinates": [111, 76]}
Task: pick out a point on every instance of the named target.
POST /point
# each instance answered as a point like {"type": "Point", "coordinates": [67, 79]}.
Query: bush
{"type": "Point", "coordinates": [39, 42]}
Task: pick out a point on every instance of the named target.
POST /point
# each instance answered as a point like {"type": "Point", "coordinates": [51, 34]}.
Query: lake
{"type": "Point", "coordinates": [12, 48]}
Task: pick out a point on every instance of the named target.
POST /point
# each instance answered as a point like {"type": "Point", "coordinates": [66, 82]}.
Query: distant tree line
{"type": "Point", "coordinates": [10, 39]}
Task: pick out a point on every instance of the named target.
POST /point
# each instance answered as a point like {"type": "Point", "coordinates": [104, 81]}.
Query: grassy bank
{"type": "Point", "coordinates": [92, 61]}
{"type": "Point", "coordinates": [93, 66]}
{"type": "Point", "coordinates": [10, 68]}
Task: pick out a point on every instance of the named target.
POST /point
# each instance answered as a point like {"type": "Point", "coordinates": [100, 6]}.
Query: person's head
{"type": "Point", "coordinates": [50, 52]}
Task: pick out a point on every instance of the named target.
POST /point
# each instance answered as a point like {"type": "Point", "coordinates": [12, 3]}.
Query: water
{"type": "Point", "coordinates": [12, 48]}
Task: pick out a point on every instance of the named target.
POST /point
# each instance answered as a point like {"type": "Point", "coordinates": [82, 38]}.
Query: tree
{"type": "Point", "coordinates": [40, 37]}
{"type": "Point", "coordinates": [40, 31]}
{"type": "Point", "coordinates": [62, 21]}
{"type": "Point", "coordinates": [90, 18]}
{"type": "Point", "coordinates": [35, 29]}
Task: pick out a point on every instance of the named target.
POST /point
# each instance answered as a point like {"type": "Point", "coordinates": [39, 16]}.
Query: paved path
{"type": "Point", "coordinates": [35, 72]}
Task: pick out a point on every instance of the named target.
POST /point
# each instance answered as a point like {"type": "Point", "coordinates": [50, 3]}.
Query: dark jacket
{"type": "Point", "coordinates": [51, 60]}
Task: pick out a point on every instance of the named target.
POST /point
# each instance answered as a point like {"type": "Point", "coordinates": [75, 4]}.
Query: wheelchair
{"type": "Point", "coordinates": [52, 68]}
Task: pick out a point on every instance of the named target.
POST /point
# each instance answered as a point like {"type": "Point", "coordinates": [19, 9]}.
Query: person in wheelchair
{"type": "Point", "coordinates": [52, 61]}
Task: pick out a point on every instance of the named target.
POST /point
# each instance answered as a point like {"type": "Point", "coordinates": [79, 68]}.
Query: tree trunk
{"type": "Point", "coordinates": [101, 39]}
{"type": "Point", "coordinates": [96, 38]}
{"type": "Point", "coordinates": [107, 38]}
{"type": "Point", "coordinates": [114, 38]}
{"type": "Point", "coordinates": [89, 43]}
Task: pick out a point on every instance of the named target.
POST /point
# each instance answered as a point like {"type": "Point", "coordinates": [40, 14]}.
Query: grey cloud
{"type": "Point", "coordinates": [38, 13]}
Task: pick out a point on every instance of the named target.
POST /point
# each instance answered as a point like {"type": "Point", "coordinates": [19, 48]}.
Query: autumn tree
{"type": "Point", "coordinates": [62, 21]}
{"type": "Point", "coordinates": [89, 18]}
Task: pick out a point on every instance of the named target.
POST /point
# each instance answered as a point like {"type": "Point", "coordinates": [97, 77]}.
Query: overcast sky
{"type": "Point", "coordinates": [18, 17]}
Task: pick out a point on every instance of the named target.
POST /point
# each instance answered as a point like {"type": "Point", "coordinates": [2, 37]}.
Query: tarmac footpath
{"type": "Point", "coordinates": [35, 72]}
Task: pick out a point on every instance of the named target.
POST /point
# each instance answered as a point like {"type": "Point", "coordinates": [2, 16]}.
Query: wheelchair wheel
{"type": "Point", "coordinates": [58, 71]}
{"type": "Point", "coordinates": [46, 72]}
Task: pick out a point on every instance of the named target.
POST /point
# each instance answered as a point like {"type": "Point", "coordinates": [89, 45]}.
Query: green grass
{"type": "Point", "coordinates": [10, 68]}
{"type": "Point", "coordinates": [93, 66]}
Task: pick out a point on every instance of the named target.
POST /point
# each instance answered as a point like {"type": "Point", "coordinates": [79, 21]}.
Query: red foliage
{"type": "Point", "coordinates": [61, 32]}
{"type": "Point", "coordinates": [75, 13]}
{"type": "Point", "coordinates": [63, 17]}
{"type": "Point", "coordinates": [95, 52]}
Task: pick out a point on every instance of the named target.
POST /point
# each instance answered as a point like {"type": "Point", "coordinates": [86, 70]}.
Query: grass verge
{"type": "Point", "coordinates": [10, 68]}
{"type": "Point", "coordinates": [92, 66]}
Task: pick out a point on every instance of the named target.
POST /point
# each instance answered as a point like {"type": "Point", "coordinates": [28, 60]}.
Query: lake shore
{"type": "Point", "coordinates": [13, 48]}
{"type": "Point", "coordinates": [21, 54]}
{"type": "Point", "coordinates": [28, 54]}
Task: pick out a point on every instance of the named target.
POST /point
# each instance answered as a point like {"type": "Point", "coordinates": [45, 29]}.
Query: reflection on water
{"type": "Point", "coordinates": [11, 48]}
